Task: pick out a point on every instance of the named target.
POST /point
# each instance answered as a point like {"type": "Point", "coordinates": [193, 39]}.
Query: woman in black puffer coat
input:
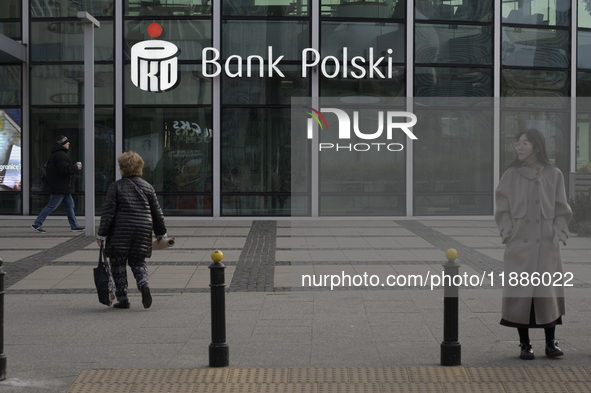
{"type": "Point", "coordinates": [130, 213]}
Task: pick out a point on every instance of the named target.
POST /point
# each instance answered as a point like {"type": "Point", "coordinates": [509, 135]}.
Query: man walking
{"type": "Point", "coordinates": [60, 176]}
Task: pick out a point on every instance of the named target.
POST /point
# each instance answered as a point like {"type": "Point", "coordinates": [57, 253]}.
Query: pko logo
{"type": "Point", "coordinates": [154, 64]}
{"type": "Point", "coordinates": [344, 130]}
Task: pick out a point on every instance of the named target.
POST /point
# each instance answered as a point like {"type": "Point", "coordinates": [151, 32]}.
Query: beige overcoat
{"type": "Point", "coordinates": [532, 214]}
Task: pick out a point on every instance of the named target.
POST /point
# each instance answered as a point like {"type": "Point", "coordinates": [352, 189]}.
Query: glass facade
{"type": "Point", "coordinates": [56, 75]}
{"type": "Point", "coordinates": [222, 145]}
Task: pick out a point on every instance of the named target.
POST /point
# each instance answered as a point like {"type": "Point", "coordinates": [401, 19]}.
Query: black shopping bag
{"type": "Point", "coordinates": [103, 280]}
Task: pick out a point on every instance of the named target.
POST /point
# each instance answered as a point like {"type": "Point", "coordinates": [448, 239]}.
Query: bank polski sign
{"type": "Point", "coordinates": [154, 63]}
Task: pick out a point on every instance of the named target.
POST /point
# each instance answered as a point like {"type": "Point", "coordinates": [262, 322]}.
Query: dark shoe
{"type": "Point", "coordinates": [552, 349]}
{"type": "Point", "coordinates": [527, 351]}
{"type": "Point", "coordinates": [38, 228]}
{"type": "Point", "coordinates": [121, 304]}
{"type": "Point", "coordinates": [78, 229]}
{"type": "Point", "coordinates": [146, 297]}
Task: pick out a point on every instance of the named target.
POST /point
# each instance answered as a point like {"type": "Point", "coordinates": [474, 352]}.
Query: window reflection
{"type": "Point", "coordinates": [535, 83]}
{"type": "Point", "coordinates": [453, 82]}
{"type": "Point", "coordinates": [583, 84]}
{"type": "Point", "coordinates": [460, 10]}
{"type": "Point", "coordinates": [10, 84]}
{"type": "Point", "coordinates": [190, 36]}
{"type": "Point", "coordinates": [167, 8]}
{"type": "Point", "coordinates": [342, 87]}
{"type": "Point", "coordinates": [246, 38]}
{"type": "Point", "coordinates": [583, 163]}
{"type": "Point", "coordinates": [455, 44]}
{"type": "Point", "coordinates": [11, 30]}
{"type": "Point", "coordinates": [535, 47]}
{"type": "Point", "coordinates": [10, 9]}
{"type": "Point", "coordinates": [69, 8]}
{"type": "Point", "coordinates": [584, 13]}
{"type": "Point", "coordinates": [537, 12]}
{"type": "Point", "coordinates": [363, 9]}
{"type": "Point", "coordinates": [262, 8]}
{"type": "Point", "coordinates": [64, 84]}
{"type": "Point", "coordinates": [453, 164]}
{"type": "Point", "coordinates": [64, 41]}
{"type": "Point", "coordinates": [264, 91]}
{"type": "Point", "coordinates": [369, 179]}
{"type": "Point", "coordinates": [584, 50]}
{"type": "Point", "coordinates": [176, 146]}
{"type": "Point", "coordinates": [256, 157]}
{"type": "Point", "coordinates": [358, 37]}
{"type": "Point", "coordinates": [193, 89]}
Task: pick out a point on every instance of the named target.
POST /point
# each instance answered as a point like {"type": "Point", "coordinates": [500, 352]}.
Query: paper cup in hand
{"type": "Point", "coordinates": [163, 244]}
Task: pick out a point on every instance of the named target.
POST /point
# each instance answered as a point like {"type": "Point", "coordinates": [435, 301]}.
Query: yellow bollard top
{"type": "Point", "coordinates": [217, 256]}
{"type": "Point", "coordinates": [451, 254]}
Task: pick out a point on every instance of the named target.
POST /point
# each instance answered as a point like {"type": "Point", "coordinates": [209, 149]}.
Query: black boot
{"type": "Point", "coordinates": [121, 304]}
{"type": "Point", "coordinates": [552, 349]}
{"type": "Point", "coordinates": [527, 351]}
{"type": "Point", "coordinates": [146, 297]}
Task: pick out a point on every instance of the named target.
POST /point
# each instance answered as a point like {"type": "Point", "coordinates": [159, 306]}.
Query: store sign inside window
{"type": "Point", "coordinates": [188, 132]}
{"type": "Point", "coordinates": [154, 63]}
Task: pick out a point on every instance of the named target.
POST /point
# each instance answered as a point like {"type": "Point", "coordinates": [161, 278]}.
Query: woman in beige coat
{"type": "Point", "coordinates": [532, 215]}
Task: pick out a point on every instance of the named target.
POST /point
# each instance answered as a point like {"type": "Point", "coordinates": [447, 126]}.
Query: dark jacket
{"type": "Point", "coordinates": [60, 172]}
{"type": "Point", "coordinates": [128, 218]}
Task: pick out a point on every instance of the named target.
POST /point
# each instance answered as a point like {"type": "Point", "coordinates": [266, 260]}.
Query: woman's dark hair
{"type": "Point", "coordinates": [536, 138]}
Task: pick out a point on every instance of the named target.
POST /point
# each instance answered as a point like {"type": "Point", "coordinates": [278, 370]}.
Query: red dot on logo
{"type": "Point", "coordinates": [154, 30]}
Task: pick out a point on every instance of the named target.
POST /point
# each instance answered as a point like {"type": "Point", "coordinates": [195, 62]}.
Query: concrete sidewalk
{"type": "Point", "coordinates": [281, 337]}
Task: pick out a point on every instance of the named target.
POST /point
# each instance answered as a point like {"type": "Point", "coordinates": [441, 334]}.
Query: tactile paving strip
{"type": "Point", "coordinates": [310, 374]}
{"type": "Point", "coordinates": [226, 388]}
{"type": "Point", "coordinates": [163, 388]}
{"type": "Point", "coordinates": [200, 375]}
{"type": "Point", "coordinates": [343, 387]}
{"type": "Point", "coordinates": [99, 388]}
{"type": "Point", "coordinates": [139, 376]}
{"type": "Point", "coordinates": [566, 373]}
{"type": "Point", "coordinates": [578, 387]}
{"type": "Point", "coordinates": [411, 388]}
{"type": "Point", "coordinates": [258, 375]}
{"type": "Point", "coordinates": [497, 374]}
{"type": "Point", "coordinates": [377, 374]}
{"type": "Point", "coordinates": [473, 387]}
{"type": "Point", "coordinates": [437, 374]}
{"type": "Point", "coordinates": [572, 379]}
{"type": "Point", "coordinates": [287, 388]}
{"type": "Point", "coordinates": [535, 387]}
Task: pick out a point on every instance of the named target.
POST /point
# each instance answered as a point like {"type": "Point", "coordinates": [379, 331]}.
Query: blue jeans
{"type": "Point", "coordinates": [54, 202]}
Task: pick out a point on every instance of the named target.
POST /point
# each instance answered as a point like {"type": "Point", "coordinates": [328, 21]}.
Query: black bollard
{"type": "Point", "coordinates": [2, 355]}
{"type": "Point", "coordinates": [451, 350]}
{"type": "Point", "coordinates": [219, 352]}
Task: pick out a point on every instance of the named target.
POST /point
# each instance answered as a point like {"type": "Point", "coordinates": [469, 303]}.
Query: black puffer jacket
{"type": "Point", "coordinates": [128, 218]}
{"type": "Point", "coordinates": [60, 172]}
